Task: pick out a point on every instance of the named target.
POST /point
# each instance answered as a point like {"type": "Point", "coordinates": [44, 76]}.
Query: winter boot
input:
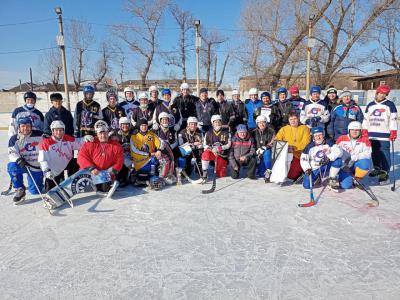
{"type": "Point", "coordinates": [376, 172]}
{"type": "Point", "coordinates": [204, 176]}
{"type": "Point", "coordinates": [333, 184]}
{"type": "Point", "coordinates": [267, 175]}
{"type": "Point", "coordinates": [383, 178]}
{"type": "Point", "coordinates": [19, 195]}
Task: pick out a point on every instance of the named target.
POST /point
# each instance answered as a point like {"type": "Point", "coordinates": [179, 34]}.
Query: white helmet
{"type": "Point", "coordinates": [129, 89]}
{"type": "Point", "coordinates": [261, 118]}
{"type": "Point", "coordinates": [253, 91]}
{"type": "Point", "coordinates": [192, 120]}
{"type": "Point", "coordinates": [184, 86]}
{"type": "Point", "coordinates": [235, 92]}
{"type": "Point", "coordinates": [143, 95]}
{"type": "Point", "coordinates": [124, 120]}
{"type": "Point", "coordinates": [57, 124]}
{"type": "Point", "coordinates": [153, 88]}
{"type": "Point", "coordinates": [215, 118]}
{"type": "Point", "coordinates": [355, 125]}
{"type": "Point", "coordinates": [163, 115]}
{"type": "Point", "coordinates": [101, 126]}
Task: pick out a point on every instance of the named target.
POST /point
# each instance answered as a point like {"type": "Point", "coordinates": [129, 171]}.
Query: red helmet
{"type": "Point", "coordinates": [383, 89]}
{"type": "Point", "coordinates": [294, 89]}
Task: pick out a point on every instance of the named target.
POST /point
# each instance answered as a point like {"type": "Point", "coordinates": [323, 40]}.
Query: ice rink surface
{"type": "Point", "coordinates": [248, 240]}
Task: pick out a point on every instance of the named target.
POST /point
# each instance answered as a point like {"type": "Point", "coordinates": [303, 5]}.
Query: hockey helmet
{"type": "Point", "coordinates": [112, 93]}
{"type": "Point", "coordinates": [143, 95]}
{"type": "Point", "coordinates": [129, 89]}
{"type": "Point", "coordinates": [124, 120]}
{"type": "Point", "coordinates": [153, 88]}
{"type": "Point", "coordinates": [281, 90]}
{"type": "Point", "coordinates": [215, 118]}
{"type": "Point", "coordinates": [24, 120]}
{"type": "Point", "coordinates": [156, 183]}
{"type": "Point", "coordinates": [192, 120]}
{"type": "Point", "coordinates": [355, 125]}
{"type": "Point", "coordinates": [253, 91]}
{"type": "Point", "coordinates": [30, 95]}
{"type": "Point", "coordinates": [166, 92]}
{"type": "Point", "coordinates": [315, 89]}
{"type": "Point", "coordinates": [101, 126]}
{"type": "Point", "coordinates": [265, 94]}
{"type": "Point", "coordinates": [88, 89]}
{"type": "Point", "coordinates": [316, 130]}
{"type": "Point", "coordinates": [57, 124]}
{"type": "Point", "coordinates": [184, 86]}
{"type": "Point", "coordinates": [261, 118]}
{"type": "Point", "coordinates": [163, 115]}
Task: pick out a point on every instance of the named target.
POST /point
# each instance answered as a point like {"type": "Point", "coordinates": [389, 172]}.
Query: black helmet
{"type": "Point", "coordinates": [30, 95]}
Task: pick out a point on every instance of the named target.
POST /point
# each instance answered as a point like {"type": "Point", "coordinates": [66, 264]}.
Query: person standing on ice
{"type": "Point", "coordinates": [356, 155]}
{"type": "Point", "coordinates": [142, 112]}
{"type": "Point", "coordinates": [154, 101]}
{"type": "Point", "coordinates": [380, 123]}
{"type": "Point", "coordinates": [103, 154]}
{"type": "Point", "coordinates": [130, 102]}
{"type": "Point", "coordinates": [321, 156]}
{"type": "Point", "coordinates": [251, 106]}
{"type": "Point", "coordinates": [167, 106]}
{"type": "Point", "coordinates": [283, 108]}
{"type": "Point", "coordinates": [239, 108]}
{"type": "Point", "coordinates": [295, 99]}
{"type": "Point", "coordinates": [225, 110]}
{"type": "Point", "coordinates": [205, 109]}
{"type": "Point", "coordinates": [60, 113]}
{"type": "Point", "coordinates": [27, 110]}
{"type": "Point", "coordinates": [315, 111]}
{"type": "Point", "coordinates": [87, 112]}
{"type": "Point", "coordinates": [268, 110]}
{"type": "Point", "coordinates": [113, 111]}
{"type": "Point", "coordinates": [56, 154]}
{"type": "Point", "coordinates": [186, 103]}
{"type": "Point", "coordinates": [23, 151]}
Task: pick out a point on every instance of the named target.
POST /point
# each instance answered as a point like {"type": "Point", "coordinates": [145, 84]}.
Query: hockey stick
{"type": "Point", "coordinates": [393, 187]}
{"type": "Point", "coordinates": [64, 193]}
{"type": "Point", "coordinates": [6, 192]}
{"type": "Point", "coordinates": [37, 188]}
{"type": "Point", "coordinates": [197, 181]}
{"type": "Point", "coordinates": [214, 182]}
{"type": "Point", "coordinates": [375, 201]}
{"type": "Point", "coordinates": [113, 189]}
{"type": "Point", "coordinates": [312, 201]}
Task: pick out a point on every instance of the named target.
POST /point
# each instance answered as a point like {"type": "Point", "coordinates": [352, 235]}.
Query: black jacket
{"type": "Point", "coordinates": [61, 114]}
{"type": "Point", "coordinates": [186, 105]}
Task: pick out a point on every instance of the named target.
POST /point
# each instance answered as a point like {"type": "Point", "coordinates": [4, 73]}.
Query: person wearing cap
{"type": "Point", "coordinates": [154, 101]}
{"type": "Point", "coordinates": [167, 106]}
{"type": "Point", "coordinates": [205, 109]}
{"type": "Point", "coordinates": [186, 103]}
{"type": "Point", "coordinates": [23, 151]}
{"type": "Point", "coordinates": [315, 111]}
{"type": "Point", "coordinates": [56, 154]}
{"type": "Point", "coordinates": [27, 110]}
{"type": "Point", "coordinates": [295, 99]}
{"type": "Point", "coordinates": [242, 153]}
{"type": "Point", "coordinates": [239, 108]}
{"type": "Point", "coordinates": [143, 111]}
{"type": "Point", "coordinates": [332, 98]}
{"type": "Point", "coordinates": [251, 105]}
{"type": "Point", "coordinates": [103, 154]}
{"type": "Point", "coordinates": [268, 110]}
{"type": "Point", "coordinates": [342, 115]}
{"type": "Point", "coordinates": [283, 108]}
{"type": "Point", "coordinates": [113, 111]}
{"type": "Point", "coordinates": [87, 112]}
{"type": "Point", "coordinates": [130, 102]}
{"type": "Point", "coordinates": [58, 112]}
{"type": "Point", "coordinates": [225, 110]}
{"type": "Point", "coordinates": [380, 123]}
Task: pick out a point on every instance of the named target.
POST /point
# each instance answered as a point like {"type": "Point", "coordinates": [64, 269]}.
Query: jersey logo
{"type": "Point", "coordinates": [320, 153]}
{"type": "Point", "coordinates": [315, 110]}
{"type": "Point", "coordinates": [378, 112]}
{"type": "Point", "coordinates": [30, 147]}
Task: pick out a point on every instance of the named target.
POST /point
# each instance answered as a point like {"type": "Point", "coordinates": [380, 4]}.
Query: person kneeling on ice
{"type": "Point", "coordinates": [242, 153]}
{"type": "Point", "coordinates": [321, 156]}
{"type": "Point", "coordinates": [23, 151]}
{"type": "Point", "coordinates": [57, 154]}
{"type": "Point", "coordinates": [356, 155]}
{"type": "Point", "coordinates": [217, 142]}
{"type": "Point", "coordinates": [103, 154]}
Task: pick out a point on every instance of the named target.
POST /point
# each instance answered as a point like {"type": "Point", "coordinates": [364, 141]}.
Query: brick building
{"type": "Point", "coordinates": [372, 81]}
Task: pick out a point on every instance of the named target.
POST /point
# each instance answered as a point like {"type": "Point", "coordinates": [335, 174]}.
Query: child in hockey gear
{"type": "Point", "coordinates": [167, 106]}
{"type": "Point", "coordinates": [205, 109]}
{"type": "Point", "coordinates": [296, 100]}
{"type": "Point", "coordinates": [380, 123]}
{"type": "Point", "coordinates": [112, 112]}
{"type": "Point", "coordinates": [102, 154]}
{"type": "Point", "coordinates": [130, 102]}
{"type": "Point", "coordinates": [342, 115]}
{"type": "Point", "coordinates": [191, 136]}
{"type": "Point", "coordinates": [186, 103]}
{"type": "Point", "coordinates": [239, 108]}
{"type": "Point", "coordinates": [57, 154]}
{"type": "Point", "coordinates": [217, 142]}
{"type": "Point", "coordinates": [242, 153]}
{"type": "Point", "coordinates": [124, 135]}
{"type": "Point", "coordinates": [263, 136]}
{"type": "Point", "coordinates": [315, 111]}
{"type": "Point", "coordinates": [23, 151]}
{"type": "Point", "coordinates": [251, 106]}
{"type": "Point", "coordinates": [87, 112]}
{"type": "Point", "coordinates": [321, 156]}
{"type": "Point", "coordinates": [283, 108]}
{"type": "Point", "coordinates": [356, 155]}
{"type": "Point", "coordinates": [298, 137]}
{"type": "Point", "coordinates": [268, 110]}
{"type": "Point", "coordinates": [142, 112]}
{"type": "Point", "coordinates": [58, 112]}
{"type": "Point", "coordinates": [27, 110]}
{"type": "Point", "coordinates": [225, 110]}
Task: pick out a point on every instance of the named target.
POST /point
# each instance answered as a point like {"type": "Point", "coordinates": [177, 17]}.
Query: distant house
{"type": "Point", "coordinates": [372, 81]}
{"type": "Point", "coordinates": [173, 84]}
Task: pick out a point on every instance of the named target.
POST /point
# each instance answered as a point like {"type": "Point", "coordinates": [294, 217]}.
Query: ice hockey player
{"type": "Point", "coordinates": [191, 135]}
{"type": "Point", "coordinates": [28, 109]}
{"type": "Point", "coordinates": [142, 112]}
{"type": "Point", "coordinates": [167, 106]}
{"type": "Point", "coordinates": [342, 115]}
{"type": "Point", "coordinates": [87, 112]}
{"type": "Point", "coordinates": [225, 110]}
{"type": "Point", "coordinates": [295, 99]}
{"type": "Point", "coordinates": [154, 101]}
{"type": "Point", "coordinates": [242, 153]}
{"type": "Point", "coordinates": [23, 151]}
{"type": "Point", "coordinates": [113, 111]}
{"type": "Point", "coordinates": [216, 143]}
{"type": "Point", "coordinates": [60, 113]}
{"type": "Point", "coordinates": [268, 110]}
{"type": "Point", "coordinates": [56, 154]}
{"type": "Point", "coordinates": [283, 108]}
{"type": "Point", "coordinates": [130, 102]}
{"type": "Point", "coordinates": [319, 157]}
{"type": "Point", "coordinates": [380, 120]}
{"type": "Point", "coordinates": [298, 137]}
{"type": "Point", "coordinates": [315, 111]}
{"type": "Point", "coordinates": [205, 109]}
{"type": "Point", "coordinates": [356, 155]}
{"type": "Point", "coordinates": [263, 136]}
{"type": "Point", "coordinates": [239, 109]}
{"type": "Point", "coordinates": [251, 106]}
{"type": "Point", "coordinates": [186, 103]}
{"type": "Point", "coordinates": [103, 154]}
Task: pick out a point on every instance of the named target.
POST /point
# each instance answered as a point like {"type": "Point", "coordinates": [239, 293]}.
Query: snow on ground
{"type": "Point", "coordinates": [248, 240]}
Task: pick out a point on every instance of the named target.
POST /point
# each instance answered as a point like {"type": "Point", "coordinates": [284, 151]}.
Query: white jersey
{"type": "Point", "coordinates": [354, 150]}
{"type": "Point", "coordinates": [313, 154]}
{"type": "Point", "coordinates": [26, 147]}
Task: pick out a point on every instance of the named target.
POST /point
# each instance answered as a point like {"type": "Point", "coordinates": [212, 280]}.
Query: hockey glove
{"type": "Point", "coordinates": [48, 174]}
{"type": "Point", "coordinates": [21, 162]}
{"type": "Point", "coordinates": [156, 126]}
{"type": "Point", "coordinates": [324, 161]}
{"type": "Point", "coordinates": [308, 172]}
{"type": "Point", "coordinates": [393, 135]}
{"type": "Point", "coordinates": [88, 138]}
{"type": "Point", "coordinates": [177, 127]}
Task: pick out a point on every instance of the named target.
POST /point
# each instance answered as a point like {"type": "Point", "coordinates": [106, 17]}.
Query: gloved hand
{"type": "Point", "coordinates": [45, 136]}
{"type": "Point", "coordinates": [21, 162]}
{"type": "Point", "coordinates": [133, 123]}
{"type": "Point", "coordinates": [314, 121]}
{"type": "Point", "coordinates": [156, 126]}
{"type": "Point", "coordinates": [354, 157]}
{"type": "Point", "coordinates": [393, 135]}
{"type": "Point", "coordinates": [177, 127]}
{"type": "Point", "coordinates": [308, 172]}
{"type": "Point", "coordinates": [324, 161]}
{"type": "Point", "coordinates": [88, 138]}
{"type": "Point", "coordinates": [200, 124]}
{"type": "Point", "coordinates": [260, 151]}
{"type": "Point", "coordinates": [48, 174]}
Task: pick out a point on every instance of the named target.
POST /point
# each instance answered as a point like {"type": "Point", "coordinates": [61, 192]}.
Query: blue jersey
{"type": "Point", "coordinates": [251, 107]}
{"type": "Point", "coordinates": [23, 111]}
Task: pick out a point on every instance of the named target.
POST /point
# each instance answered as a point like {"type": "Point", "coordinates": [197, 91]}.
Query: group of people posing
{"type": "Point", "coordinates": [155, 140]}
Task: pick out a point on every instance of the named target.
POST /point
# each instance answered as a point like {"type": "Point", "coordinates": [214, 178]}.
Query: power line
{"type": "Point", "coordinates": [28, 22]}
{"type": "Point", "coordinates": [26, 51]}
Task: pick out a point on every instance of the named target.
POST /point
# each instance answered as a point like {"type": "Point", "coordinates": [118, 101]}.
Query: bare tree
{"type": "Point", "coordinates": [221, 78]}
{"type": "Point", "coordinates": [50, 63]}
{"type": "Point", "coordinates": [119, 58]}
{"type": "Point", "coordinates": [103, 65]}
{"type": "Point", "coordinates": [142, 38]}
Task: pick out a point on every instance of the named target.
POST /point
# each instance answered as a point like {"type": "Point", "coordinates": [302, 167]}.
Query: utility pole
{"type": "Point", "coordinates": [61, 44]}
{"type": "Point", "coordinates": [31, 77]}
{"type": "Point", "coordinates": [310, 44]}
{"type": "Point", "coordinates": [198, 45]}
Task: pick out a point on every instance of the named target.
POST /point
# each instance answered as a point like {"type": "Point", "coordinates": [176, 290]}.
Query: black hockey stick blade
{"type": "Point", "coordinates": [6, 192]}
{"type": "Point", "coordinates": [213, 186]}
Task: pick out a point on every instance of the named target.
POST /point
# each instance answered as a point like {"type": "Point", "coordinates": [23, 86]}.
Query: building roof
{"type": "Point", "coordinates": [387, 73]}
